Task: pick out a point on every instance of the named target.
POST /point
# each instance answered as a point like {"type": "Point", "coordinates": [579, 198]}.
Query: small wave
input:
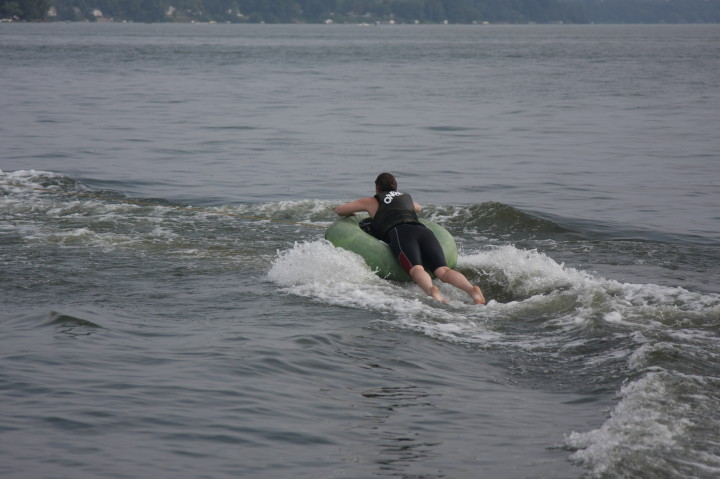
{"type": "Point", "coordinates": [73, 217]}
{"type": "Point", "coordinates": [37, 179]}
{"type": "Point", "coordinates": [69, 425]}
{"type": "Point", "coordinates": [60, 319]}
{"type": "Point", "coordinates": [338, 277]}
{"type": "Point", "coordinates": [495, 220]}
{"type": "Point", "coordinates": [308, 211]}
{"type": "Point", "coordinates": [662, 427]}
{"type": "Point", "coordinates": [319, 263]}
{"type": "Point", "coordinates": [515, 274]}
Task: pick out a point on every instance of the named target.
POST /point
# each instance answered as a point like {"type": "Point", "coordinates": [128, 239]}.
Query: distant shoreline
{"type": "Point", "coordinates": [475, 24]}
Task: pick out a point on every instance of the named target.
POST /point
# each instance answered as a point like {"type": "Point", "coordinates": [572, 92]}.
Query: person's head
{"type": "Point", "coordinates": [385, 182]}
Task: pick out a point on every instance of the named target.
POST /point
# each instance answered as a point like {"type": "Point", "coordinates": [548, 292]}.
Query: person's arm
{"type": "Point", "coordinates": [417, 206]}
{"type": "Point", "coordinates": [363, 204]}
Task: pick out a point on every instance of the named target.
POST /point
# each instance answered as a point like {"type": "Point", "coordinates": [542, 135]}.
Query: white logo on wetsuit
{"type": "Point", "coordinates": [389, 197]}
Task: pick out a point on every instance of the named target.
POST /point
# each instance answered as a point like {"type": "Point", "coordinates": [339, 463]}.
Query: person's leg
{"type": "Point", "coordinates": [434, 258]}
{"type": "Point", "coordinates": [423, 279]}
{"type": "Point", "coordinates": [457, 279]}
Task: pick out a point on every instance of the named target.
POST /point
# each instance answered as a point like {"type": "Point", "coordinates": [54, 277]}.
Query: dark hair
{"type": "Point", "coordinates": [386, 182]}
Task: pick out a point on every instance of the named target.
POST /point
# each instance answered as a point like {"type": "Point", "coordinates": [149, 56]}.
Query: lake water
{"type": "Point", "coordinates": [170, 309]}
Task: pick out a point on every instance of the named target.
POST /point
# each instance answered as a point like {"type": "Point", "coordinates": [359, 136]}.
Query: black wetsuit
{"type": "Point", "coordinates": [397, 224]}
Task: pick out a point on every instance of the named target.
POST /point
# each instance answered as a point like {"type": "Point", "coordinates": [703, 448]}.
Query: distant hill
{"type": "Point", "coordinates": [651, 11]}
{"type": "Point", "coordinates": [316, 11]}
{"type": "Point", "coordinates": [366, 11]}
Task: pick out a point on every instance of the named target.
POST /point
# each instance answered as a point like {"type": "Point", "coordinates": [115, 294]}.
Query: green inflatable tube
{"type": "Point", "coordinates": [346, 233]}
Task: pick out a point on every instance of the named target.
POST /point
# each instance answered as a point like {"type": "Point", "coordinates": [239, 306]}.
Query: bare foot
{"type": "Point", "coordinates": [477, 295]}
{"type": "Point", "coordinates": [435, 293]}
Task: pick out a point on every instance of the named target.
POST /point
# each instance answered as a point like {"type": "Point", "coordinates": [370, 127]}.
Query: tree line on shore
{"type": "Point", "coordinates": [366, 11]}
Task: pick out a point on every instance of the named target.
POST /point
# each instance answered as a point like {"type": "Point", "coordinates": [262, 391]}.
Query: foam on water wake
{"type": "Point", "coordinates": [524, 280]}
{"type": "Point", "coordinates": [562, 327]}
{"type": "Point", "coordinates": [664, 425]}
